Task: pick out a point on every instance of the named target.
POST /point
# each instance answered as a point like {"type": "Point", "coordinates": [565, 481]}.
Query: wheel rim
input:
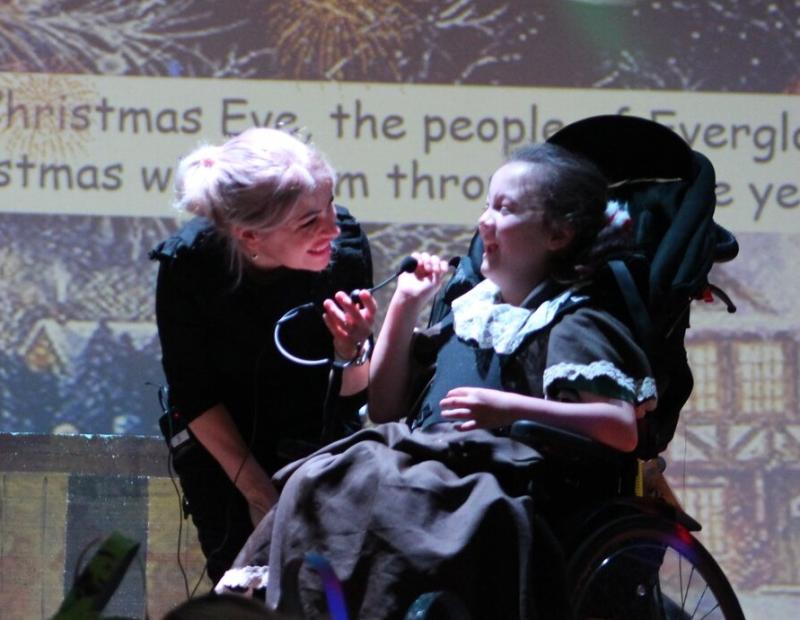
{"type": "Point", "coordinates": [664, 575]}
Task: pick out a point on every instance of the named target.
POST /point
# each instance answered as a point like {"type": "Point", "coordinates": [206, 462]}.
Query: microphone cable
{"type": "Point", "coordinates": [408, 265]}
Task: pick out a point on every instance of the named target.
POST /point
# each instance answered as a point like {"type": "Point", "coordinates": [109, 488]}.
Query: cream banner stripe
{"type": "Point", "coordinates": [415, 153]}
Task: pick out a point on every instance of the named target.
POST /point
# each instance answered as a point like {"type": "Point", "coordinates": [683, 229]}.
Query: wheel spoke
{"type": "Point", "coordinates": [685, 594]}
{"type": "Point", "coordinates": [710, 611]}
{"type": "Point", "coordinates": [700, 601]}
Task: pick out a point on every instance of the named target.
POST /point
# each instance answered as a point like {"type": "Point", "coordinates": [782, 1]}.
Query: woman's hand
{"type": "Point", "coordinates": [215, 429]}
{"type": "Point", "coordinates": [349, 323]}
{"type": "Point", "coordinates": [260, 501]}
{"type": "Point", "coordinates": [423, 283]}
{"type": "Point", "coordinates": [478, 408]}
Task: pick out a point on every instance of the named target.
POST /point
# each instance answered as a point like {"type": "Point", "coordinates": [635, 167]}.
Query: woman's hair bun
{"type": "Point", "coordinates": [196, 185]}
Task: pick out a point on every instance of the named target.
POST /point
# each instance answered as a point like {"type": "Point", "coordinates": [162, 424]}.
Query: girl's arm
{"type": "Point", "coordinates": [214, 429]}
{"type": "Point", "coordinates": [390, 370]}
{"type": "Point", "coordinates": [609, 421]}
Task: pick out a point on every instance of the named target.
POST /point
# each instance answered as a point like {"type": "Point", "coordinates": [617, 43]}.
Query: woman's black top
{"type": "Point", "coordinates": [217, 338]}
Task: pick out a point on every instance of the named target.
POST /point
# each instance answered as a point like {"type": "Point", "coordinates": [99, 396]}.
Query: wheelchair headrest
{"type": "Point", "coordinates": [686, 241]}
{"type": "Point", "coordinates": [627, 147]}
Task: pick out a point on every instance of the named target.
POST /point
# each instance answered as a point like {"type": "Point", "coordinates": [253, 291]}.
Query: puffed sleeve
{"type": "Point", "coordinates": [591, 351]}
{"type": "Point", "coordinates": [352, 263]}
{"type": "Point", "coordinates": [184, 331]}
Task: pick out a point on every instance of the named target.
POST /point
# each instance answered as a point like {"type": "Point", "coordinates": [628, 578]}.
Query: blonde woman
{"type": "Point", "coordinates": [267, 238]}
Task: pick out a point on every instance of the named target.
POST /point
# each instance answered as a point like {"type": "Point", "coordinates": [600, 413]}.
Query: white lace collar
{"type": "Point", "coordinates": [480, 317]}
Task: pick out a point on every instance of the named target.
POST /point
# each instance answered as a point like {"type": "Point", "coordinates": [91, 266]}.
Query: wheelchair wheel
{"type": "Point", "coordinates": [649, 568]}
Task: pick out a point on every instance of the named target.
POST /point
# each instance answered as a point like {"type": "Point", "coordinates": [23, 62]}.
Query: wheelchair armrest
{"type": "Point", "coordinates": [565, 446]}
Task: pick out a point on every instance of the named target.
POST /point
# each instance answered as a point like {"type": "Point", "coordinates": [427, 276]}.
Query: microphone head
{"type": "Point", "coordinates": [408, 265]}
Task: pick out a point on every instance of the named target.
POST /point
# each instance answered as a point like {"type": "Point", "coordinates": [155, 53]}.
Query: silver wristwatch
{"type": "Point", "coordinates": [361, 356]}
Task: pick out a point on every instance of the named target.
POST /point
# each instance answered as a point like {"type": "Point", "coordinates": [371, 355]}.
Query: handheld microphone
{"type": "Point", "coordinates": [407, 265]}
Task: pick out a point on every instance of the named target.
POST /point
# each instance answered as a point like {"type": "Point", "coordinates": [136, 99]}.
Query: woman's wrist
{"type": "Point", "coordinates": [346, 351]}
{"type": "Point", "coordinates": [356, 355]}
{"type": "Point", "coordinates": [257, 488]}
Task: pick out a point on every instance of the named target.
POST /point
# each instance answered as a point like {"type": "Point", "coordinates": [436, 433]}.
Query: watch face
{"type": "Point", "coordinates": [363, 354]}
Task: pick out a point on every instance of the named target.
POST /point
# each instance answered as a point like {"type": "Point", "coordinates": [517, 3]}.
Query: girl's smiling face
{"type": "Point", "coordinates": [517, 243]}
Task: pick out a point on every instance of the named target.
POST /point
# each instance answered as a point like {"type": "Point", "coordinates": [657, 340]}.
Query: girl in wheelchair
{"type": "Point", "coordinates": [442, 502]}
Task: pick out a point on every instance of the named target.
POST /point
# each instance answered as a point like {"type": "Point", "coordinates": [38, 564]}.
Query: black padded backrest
{"type": "Point", "coordinates": [626, 148]}
{"type": "Point", "coordinates": [467, 274]}
{"type": "Point", "coordinates": [671, 192]}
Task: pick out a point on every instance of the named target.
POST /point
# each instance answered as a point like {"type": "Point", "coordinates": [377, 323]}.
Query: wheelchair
{"type": "Point", "coordinates": [628, 548]}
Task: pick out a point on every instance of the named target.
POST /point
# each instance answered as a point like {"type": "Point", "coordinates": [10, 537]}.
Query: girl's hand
{"type": "Point", "coordinates": [423, 283]}
{"type": "Point", "coordinates": [478, 408]}
{"type": "Point", "coordinates": [349, 323]}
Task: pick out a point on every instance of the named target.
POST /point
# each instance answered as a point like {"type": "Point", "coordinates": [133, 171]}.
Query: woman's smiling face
{"type": "Point", "coordinates": [516, 241]}
{"type": "Point", "coordinates": [304, 240]}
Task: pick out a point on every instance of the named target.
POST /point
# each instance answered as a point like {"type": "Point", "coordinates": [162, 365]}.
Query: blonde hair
{"type": "Point", "coordinates": [251, 181]}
